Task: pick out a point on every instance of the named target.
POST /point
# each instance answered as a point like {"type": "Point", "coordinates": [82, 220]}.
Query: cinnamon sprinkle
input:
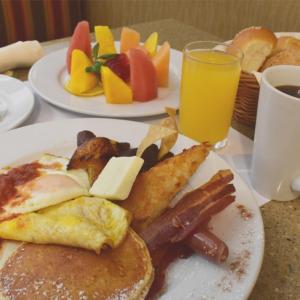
{"type": "Point", "coordinates": [225, 284]}
{"type": "Point", "coordinates": [239, 265]}
{"type": "Point", "coordinates": [244, 212]}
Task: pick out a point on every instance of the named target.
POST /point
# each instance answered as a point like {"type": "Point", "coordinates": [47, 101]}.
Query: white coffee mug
{"type": "Point", "coordinates": [275, 170]}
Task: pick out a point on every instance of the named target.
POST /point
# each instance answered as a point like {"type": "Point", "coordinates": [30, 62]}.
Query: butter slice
{"type": "Point", "coordinates": [117, 178]}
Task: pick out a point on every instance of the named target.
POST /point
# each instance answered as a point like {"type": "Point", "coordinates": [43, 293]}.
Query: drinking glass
{"type": "Point", "coordinates": [210, 77]}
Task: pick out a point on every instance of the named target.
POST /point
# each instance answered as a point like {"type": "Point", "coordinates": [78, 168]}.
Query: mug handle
{"type": "Point", "coordinates": [296, 184]}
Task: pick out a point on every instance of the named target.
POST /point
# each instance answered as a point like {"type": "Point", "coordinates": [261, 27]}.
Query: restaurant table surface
{"type": "Point", "coordinates": [280, 273]}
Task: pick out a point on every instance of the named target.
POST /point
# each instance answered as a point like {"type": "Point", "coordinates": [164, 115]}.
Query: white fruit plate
{"type": "Point", "coordinates": [48, 76]}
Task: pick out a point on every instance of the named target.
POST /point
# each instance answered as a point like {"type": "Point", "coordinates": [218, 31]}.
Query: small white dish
{"type": "Point", "coordinates": [17, 102]}
{"type": "Point", "coordinates": [3, 105]}
{"type": "Point", "coordinates": [48, 75]}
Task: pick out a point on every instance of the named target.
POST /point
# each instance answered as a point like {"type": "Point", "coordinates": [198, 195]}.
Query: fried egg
{"type": "Point", "coordinates": [53, 184]}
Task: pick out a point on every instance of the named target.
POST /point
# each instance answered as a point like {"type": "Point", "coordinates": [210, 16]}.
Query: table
{"type": "Point", "coordinates": [279, 278]}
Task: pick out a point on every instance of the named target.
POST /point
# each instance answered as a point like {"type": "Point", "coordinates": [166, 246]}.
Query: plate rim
{"type": "Point", "coordinates": [28, 128]}
{"type": "Point", "coordinates": [29, 105]}
{"type": "Point", "coordinates": [48, 99]}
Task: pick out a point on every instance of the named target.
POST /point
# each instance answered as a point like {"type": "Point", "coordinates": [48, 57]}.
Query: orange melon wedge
{"type": "Point", "coordinates": [129, 39]}
{"type": "Point", "coordinates": [161, 62]}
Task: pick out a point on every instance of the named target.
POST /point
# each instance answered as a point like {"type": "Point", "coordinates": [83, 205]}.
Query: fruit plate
{"type": "Point", "coordinates": [48, 75]}
{"type": "Point", "coordinates": [193, 278]}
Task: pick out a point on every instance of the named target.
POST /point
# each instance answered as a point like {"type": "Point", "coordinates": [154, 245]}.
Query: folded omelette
{"type": "Point", "coordinates": [86, 222]}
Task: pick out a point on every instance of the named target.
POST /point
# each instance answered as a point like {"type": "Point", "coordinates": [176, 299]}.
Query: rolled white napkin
{"type": "Point", "coordinates": [20, 54]}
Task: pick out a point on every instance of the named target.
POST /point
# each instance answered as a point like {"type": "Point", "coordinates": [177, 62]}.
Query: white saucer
{"type": "Point", "coordinates": [19, 102]}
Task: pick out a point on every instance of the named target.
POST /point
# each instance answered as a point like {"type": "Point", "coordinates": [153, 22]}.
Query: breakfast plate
{"type": "Point", "coordinates": [16, 100]}
{"type": "Point", "coordinates": [240, 225]}
{"type": "Point", "coordinates": [48, 75]}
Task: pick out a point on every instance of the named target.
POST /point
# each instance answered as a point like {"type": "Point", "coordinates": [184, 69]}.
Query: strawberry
{"type": "Point", "coordinates": [120, 66]}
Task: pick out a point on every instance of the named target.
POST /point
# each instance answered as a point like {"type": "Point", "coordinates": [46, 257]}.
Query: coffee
{"type": "Point", "coordinates": [292, 90]}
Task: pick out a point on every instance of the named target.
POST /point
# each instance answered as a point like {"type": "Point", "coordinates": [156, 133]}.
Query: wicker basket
{"type": "Point", "coordinates": [246, 100]}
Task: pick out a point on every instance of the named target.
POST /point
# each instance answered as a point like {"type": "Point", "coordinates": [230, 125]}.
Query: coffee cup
{"type": "Point", "coordinates": [275, 171]}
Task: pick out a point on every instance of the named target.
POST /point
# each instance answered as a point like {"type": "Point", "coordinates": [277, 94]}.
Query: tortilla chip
{"type": "Point", "coordinates": [166, 131]}
{"type": "Point", "coordinates": [169, 141]}
{"type": "Point", "coordinates": [155, 134]}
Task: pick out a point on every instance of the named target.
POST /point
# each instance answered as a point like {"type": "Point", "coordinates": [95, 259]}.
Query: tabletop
{"type": "Point", "coordinates": [280, 274]}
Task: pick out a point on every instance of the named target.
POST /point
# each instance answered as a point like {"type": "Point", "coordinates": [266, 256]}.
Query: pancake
{"type": "Point", "coordinates": [58, 272]}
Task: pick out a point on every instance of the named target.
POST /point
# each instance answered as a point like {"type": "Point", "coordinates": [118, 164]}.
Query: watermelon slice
{"type": "Point", "coordinates": [129, 39]}
{"type": "Point", "coordinates": [161, 61]}
{"type": "Point", "coordinates": [81, 41]}
{"type": "Point", "coordinates": [142, 76]}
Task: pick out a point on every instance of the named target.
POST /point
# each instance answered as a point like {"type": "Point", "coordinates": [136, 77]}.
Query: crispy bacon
{"type": "Point", "coordinates": [196, 207]}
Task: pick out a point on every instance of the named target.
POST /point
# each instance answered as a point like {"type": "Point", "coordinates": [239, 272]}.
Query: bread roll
{"type": "Point", "coordinates": [288, 53]}
{"type": "Point", "coordinates": [282, 43]}
{"type": "Point", "coordinates": [257, 44]}
{"type": "Point", "coordinates": [284, 57]}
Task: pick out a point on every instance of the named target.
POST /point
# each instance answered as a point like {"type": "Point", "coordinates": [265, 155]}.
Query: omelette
{"type": "Point", "coordinates": [86, 222]}
{"type": "Point", "coordinates": [39, 184]}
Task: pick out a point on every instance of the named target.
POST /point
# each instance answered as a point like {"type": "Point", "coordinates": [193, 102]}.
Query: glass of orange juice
{"type": "Point", "coordinates": [210, 77]}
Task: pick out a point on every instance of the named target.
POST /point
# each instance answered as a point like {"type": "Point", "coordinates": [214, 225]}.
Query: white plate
{"type": "Point", "coordinates": [18, 99]}
{"type": "Point", "coordinates": [294, 34]}
{"type": "Point", "coordinates": [48, 75]}
{"type": "Point", "coordinates": [192, 278]}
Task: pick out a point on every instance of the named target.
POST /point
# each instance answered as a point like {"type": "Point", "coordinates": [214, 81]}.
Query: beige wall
{"type": "Point", "coordinates": [220, 17]}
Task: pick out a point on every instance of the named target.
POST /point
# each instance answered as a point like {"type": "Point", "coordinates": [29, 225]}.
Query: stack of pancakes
{"type": "Point", "coordinates": [31, 271]}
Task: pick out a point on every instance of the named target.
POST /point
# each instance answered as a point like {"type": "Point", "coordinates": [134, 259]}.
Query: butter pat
{"type": "Point", "coordinates": [117, 178]}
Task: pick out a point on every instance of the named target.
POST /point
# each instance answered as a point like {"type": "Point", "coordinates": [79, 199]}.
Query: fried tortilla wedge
{"type": "Point", "coordinates": [92, 156]}
{"type": "Point", "coordinates": [154, 189]}
{"type": "Point", "coordinates": [93, 153]}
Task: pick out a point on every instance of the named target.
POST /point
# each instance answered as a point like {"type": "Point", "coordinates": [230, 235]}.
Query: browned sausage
{"type": "Point", "coordinates": [208, 245]}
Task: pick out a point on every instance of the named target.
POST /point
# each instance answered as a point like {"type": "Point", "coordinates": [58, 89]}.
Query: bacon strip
{"type": "Point", "coordinates": [196, 207]}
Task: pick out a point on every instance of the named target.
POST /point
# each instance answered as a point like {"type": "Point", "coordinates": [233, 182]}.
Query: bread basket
{"type": "Point", "coordinates": [245, 109]}
{"type": "Point", "coordinates": [246, 100]}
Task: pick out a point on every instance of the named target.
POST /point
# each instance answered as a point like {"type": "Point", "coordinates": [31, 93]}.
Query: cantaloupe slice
{"type": "Point", "coordinates": [80, 40]}
{"type": "Point", "coordinates": [129, 39]}
{"type": "Point", "coordinates": [80, 81]}
{"type": "Point", "coordinates": [161, 62]}
{"type": "Point", "coordinates": [115, 89]}
{"type": "Point", "coordinates": [151, 44]}
{"type": "Point", "coordinates": [105, 39]}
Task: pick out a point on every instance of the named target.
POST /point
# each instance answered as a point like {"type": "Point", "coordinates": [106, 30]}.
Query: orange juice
{"type": "Point", "coordinates": [208, 89]}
